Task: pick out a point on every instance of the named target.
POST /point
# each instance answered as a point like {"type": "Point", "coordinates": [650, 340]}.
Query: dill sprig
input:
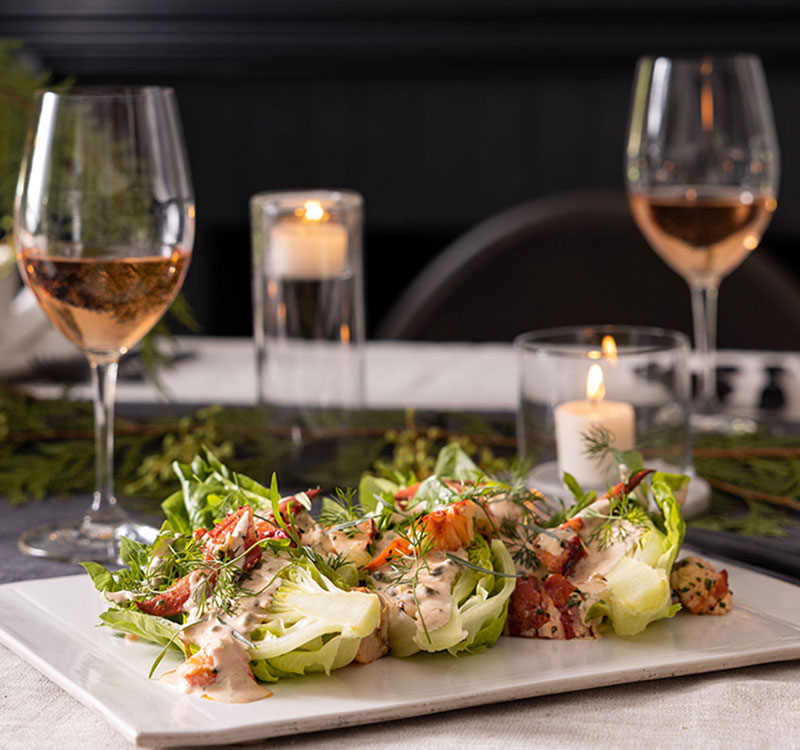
{"type": "Point", "coordinates": [169, 558]}
{"type": "Point", "coordinates": [534, 514]}
{"type": "Point", "coordinates": [624, 519]}
{"type": "Point", "coordinates": [600, 445]}
{"type": "Point", "coordinates": [287, 521]}
{"type": "Point", "coordinates": [404, 569]}
{"type": "Point", "coordinates": [479, 569]}
{"type": "Point", "coordinates": [341, 511]}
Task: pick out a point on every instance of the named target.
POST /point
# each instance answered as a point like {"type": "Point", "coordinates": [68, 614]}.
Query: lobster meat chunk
{"type": "Point", "coordinates": [452, 527]}
{"type": "Point", "coordinates": [449, 529]}
{"type": "Point", "coordinates": [552, 608]}
{"type": "Point", "coordinates": [700, 588]}
{"type": "Point", "coordinates": [558, 552]}
{"type": "Point", "coordinates": [233, 538]}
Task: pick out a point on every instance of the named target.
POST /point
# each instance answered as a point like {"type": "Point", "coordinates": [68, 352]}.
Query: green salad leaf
{"type": "Point", "coordinates": [638, 585]}
{"type": "Point", "coordinates": [311, 624]}
{"type": "Point", "coordinates": [453, 463]}
{"type": "Point", "coordinates": [159, 630]}
{"type": "Point", "coordinates": [478, 607]}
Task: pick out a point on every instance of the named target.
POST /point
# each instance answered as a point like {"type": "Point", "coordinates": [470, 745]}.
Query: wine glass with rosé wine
{"type": "Point", "coordinates": [103, 230]}
{"type": "Point", "coordinates": [702, 168]}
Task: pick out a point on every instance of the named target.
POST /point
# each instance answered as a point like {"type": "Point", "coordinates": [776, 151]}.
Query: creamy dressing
{"type": "Point", "coordinates": [551, 542]}
{"type": "Point", "coordinates": [590, 571]}
{"type": "Point", "coordinates": [198, 586]}
{"type": "Point", "coordinates": [119, 597]}
{"type": "Point", "coordinates": [236, 540]}
{"type": "Point", "coordinates": [317, 539]}
{"type": "Point", "coordinates": [501, 507]}
{"type": "Point", "coordinates": [434, 584]}
{"type": "Point", "coordinates": [376, 644]}
{"type": "Point", "coordinates": [220, 670]}
{"type": "Point", "coordinates": [598, 562]}
{"type": "Point", "coordinates": [554, 627]}
{"type": "Point", "coordinates": [433, 605]}
{"type": "Point", "coordinates": [352, 543]}
{"type": "Point", "coordinates": [591, 591]}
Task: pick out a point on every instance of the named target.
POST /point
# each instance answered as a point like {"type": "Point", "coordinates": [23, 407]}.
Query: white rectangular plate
{"type": "Point", "coordinates": [52, 624]}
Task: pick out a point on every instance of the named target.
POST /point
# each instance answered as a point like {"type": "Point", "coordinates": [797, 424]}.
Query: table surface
{"type": "Point", "coordinates": [749, 707]}
{"type": "Point", "coordinates": [399, 374]}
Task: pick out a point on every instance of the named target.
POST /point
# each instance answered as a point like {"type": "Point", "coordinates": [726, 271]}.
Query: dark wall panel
{"type": "Point", "coordinates": [441, 113]}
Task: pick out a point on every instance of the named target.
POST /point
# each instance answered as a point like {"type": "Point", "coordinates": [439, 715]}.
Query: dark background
{"type": "Point", "coordinates": [440, 113]}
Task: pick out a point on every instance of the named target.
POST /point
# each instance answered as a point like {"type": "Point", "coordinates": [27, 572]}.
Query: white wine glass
{"type": "Point", "coordinates": [702, 169]}
{"type": "Point", "coordinates": [103, 231]}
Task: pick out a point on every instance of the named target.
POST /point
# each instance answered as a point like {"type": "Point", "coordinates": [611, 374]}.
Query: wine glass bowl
{"type": "Point", "coordinates": [702, 170]}
{"type": "Point", "coordinates": [103, 231]}
{"type": "Point", "coordinates": [702, 237]}
{"type": "Point", "coordinates": [104, 305]}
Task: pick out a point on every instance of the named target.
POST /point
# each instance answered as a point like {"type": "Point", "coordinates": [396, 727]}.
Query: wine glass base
{"type": "Point", "coordinates": [70, 542]}
{"type": "Point", "coordinates": [725, 424]}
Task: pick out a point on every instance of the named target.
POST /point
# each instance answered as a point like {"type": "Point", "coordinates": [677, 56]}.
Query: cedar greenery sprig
{"type": "Point", "coordinates": [759, 476]}
{"type": "Point", "coordinates": [46, 446]}
{"type": "Point", "coordinates": [46, 449]}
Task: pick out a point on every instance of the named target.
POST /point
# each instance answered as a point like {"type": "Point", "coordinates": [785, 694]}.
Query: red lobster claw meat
{"type": "Point", "coordinates": [268, 528]}
{"type": "Point", "coordinates": [232, 537]}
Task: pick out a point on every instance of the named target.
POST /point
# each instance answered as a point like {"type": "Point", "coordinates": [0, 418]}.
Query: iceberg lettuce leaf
{"type": "Point", "coordinates": [477, 619]}
{"type": "Point", "coordinates": [638, 585]}
{"type": "Point", "coordinates": [637, 595]}
{"type": "Point", "coordinates": [433, 494]}
{"type": "Point", "coordinates": [664, 487]}
{"type": "Point", "coordinates": [311, 624]}
{"type": "Point", "coordinates": [320, 655]}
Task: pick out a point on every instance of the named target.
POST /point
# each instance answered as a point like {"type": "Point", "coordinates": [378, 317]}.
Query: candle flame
{"type": "Point", "coordinates": [313, 211]}
{"type": "Point", "coordinates": [706, 100]}
{"type": "Point", "coordinates": [595, 389]}
{"type": "Point", "coordinates": [609, 347]}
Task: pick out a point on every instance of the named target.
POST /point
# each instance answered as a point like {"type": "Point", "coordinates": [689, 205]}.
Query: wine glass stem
{"type": "Point", "coordinates": [704, 314]}
{"type": "Point", "coordinates": [104, 510]}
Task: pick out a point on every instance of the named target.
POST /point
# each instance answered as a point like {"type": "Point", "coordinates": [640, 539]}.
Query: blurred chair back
{"type": "Point", "coordinates": [578, 258]}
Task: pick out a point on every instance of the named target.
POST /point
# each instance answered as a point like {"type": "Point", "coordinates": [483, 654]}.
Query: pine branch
{"type": "Point", "coordinates": [743, 492]}
{"type": "Point", "coordinates": [754, 452]}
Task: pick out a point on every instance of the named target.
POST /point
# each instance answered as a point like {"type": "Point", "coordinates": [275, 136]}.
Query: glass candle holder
{"type": "Point", "coordinates": [621, 384]}
{"type": "Point", "coordinates": [308, 303]}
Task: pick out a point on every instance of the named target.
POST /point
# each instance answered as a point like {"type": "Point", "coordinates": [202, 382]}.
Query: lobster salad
{"type": "Point", "coordinates": [251, 587]}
